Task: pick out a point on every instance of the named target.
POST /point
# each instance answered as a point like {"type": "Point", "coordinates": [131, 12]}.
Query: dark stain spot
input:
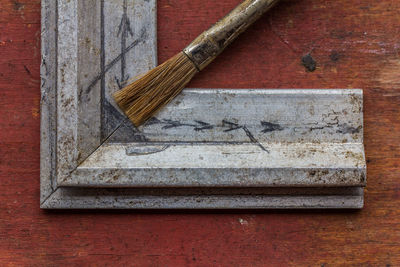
{"type": "Point", "coordinates": [347, 129]}
{"type": "Point", "coordinates": [309, 63]}
{"type": "Point", "coordinates": [270, 127]}
{"type": "Point", "coordinates": [67, 102]}
{"type": "Point", "coordinates": [62, 75]}
{"type": "Point", "coordinates": [334, 56]}
{"type": "Point", "coordinates": [17, 5]}
{"type": "Point", "coordinates": [363, 178]}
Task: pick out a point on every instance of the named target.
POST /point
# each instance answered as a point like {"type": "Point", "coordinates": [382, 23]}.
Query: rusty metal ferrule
{"type": "Point", "coordinates": [207, 46]}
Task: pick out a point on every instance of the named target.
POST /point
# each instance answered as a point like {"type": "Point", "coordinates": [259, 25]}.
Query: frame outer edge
{"type": "Point", "coordinates": [48, 98]}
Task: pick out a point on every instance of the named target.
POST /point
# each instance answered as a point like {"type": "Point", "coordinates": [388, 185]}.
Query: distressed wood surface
{"type": "Point", "coordinates": [89, 38]}
{"type": "Point", "coordinates": [270, 116]}
{"type": "Point", "coordinates": [235, 138]}
{"type": "Point", "coordinates": [214, 165]}
{"type": "Point", "coordinates": [303, 44]}
{"type": "Point", "coordinates": [227, 146]}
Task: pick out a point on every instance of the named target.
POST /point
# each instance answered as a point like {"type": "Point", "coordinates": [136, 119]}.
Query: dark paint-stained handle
{"type": "Point", "coordinates": [206, 47]}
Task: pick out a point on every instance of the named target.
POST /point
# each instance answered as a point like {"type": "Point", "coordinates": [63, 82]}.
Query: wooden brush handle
{"type": "Point", "coordinates": [212, 42]}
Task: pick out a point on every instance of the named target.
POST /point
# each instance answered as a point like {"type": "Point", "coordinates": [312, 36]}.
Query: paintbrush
{"type": "Point", "coordinates": [141, 99]}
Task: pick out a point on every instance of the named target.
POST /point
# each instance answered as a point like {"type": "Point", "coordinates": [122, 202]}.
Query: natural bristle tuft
{"type": "Point", "coordinates": [144, 97]}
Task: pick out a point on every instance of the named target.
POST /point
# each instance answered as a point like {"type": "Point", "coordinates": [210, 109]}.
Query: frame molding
{"type": "Point", "coordinates": [256, 149]}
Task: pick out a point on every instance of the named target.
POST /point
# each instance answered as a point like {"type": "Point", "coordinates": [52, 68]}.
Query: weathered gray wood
{"type": "Point", "coordinates": [67, 87]}
{"type": "Point", "coordinates": [343, 198]}
{"type": "Point", "coordinates": [129, 35]}
{"type": "Point", "coordinates": [322, 116]}
{"type": "Point", "coordinates": [89, 65]}
{"type": "Point", "coordinates": [93, 47]}
{"type": "Point", "coordinates": [48, 122]}
{"type": "Point", "coordinates": [208, 149]}
{"type": "Point", "coordinates": [222, 165]}
{"type": "Point", "coordinates": [243, 138]}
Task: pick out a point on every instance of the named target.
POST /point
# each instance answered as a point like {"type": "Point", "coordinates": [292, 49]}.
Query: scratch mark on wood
{"type": "Point", "coordinates": [27, 70]}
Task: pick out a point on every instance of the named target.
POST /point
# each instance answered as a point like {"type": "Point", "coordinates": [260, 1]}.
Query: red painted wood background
{"type": "Point", "coordinates": [355, 45]}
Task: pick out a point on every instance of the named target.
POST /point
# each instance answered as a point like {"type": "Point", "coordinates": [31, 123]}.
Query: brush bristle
{"type": "Point", "coordinates": [141, 99]}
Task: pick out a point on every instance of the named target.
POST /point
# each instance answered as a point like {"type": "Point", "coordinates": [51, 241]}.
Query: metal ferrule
{"type": "Point", "coordinates": [206, 47]}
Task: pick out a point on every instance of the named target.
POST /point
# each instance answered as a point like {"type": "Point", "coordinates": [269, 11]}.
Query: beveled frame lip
{"type": "Point", "coordinates": [56, 195]}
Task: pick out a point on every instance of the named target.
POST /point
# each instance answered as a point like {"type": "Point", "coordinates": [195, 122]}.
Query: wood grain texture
{"type": "Point", "coordinates": [354, 44]}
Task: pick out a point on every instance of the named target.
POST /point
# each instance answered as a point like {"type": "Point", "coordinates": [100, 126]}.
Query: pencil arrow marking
{"type": "Point", "coordinates": [124, 31]}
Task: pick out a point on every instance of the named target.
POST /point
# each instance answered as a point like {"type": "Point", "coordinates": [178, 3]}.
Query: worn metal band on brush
{"type": "Point", "coordinates": [206, 47]}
